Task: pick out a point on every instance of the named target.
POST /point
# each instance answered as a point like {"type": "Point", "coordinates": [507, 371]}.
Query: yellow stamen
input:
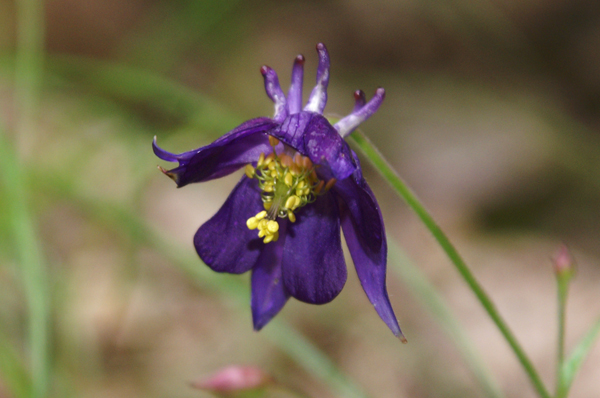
{"type": "Point", "coordinates": [261, 215]}
{"type": "Point", "coordinates": [291, 216]}
{"type": "Point", "coordinates": [273, 226]}
{"type": "Point", "coordinates": [292, 202]}
{"type": "Point", "coordinates": [289, 179]}
{"type": "Point", "coordinates": [249, 171]}
{"type": "Point", "coordinates": [261, 160]}
{"type": "Point", "coordinates": [273, 141]}
{"type": "Point", "coordinates": [252, 223]}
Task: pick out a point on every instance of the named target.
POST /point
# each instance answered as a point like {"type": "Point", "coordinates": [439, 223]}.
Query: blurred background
{"type": "Point", "coordinates": [491, 115]}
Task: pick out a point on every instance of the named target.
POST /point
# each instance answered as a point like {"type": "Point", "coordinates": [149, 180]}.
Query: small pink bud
{"type": "Point", "coordinates": [563, 262]}
{"type": "Point", "coordinates": [234, 379]}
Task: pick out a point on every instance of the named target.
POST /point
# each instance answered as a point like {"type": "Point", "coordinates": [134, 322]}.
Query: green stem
{"type": "Point", "coordinates": [388, 173]}
{"type": "Point", "coordinates": [28, 75]}
{"type": "Point", "coordinates": [563, 289]}
{"type": "Point", "coordinates": [31, 262]}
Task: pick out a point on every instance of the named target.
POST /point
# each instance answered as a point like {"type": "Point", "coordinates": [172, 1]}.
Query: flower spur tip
{"type": "Point", "coordinates": [402, 338]}
{"type": "Point", "coordinates": [264, 70]}
{"type": "Point", "coordinates": [299, 59]}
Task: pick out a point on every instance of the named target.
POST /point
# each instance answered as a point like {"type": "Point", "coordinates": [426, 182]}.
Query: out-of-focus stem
{"type": "Point", "coordinates": [388, 173]}
{"type": "Point", "coordinates": [28, 75]}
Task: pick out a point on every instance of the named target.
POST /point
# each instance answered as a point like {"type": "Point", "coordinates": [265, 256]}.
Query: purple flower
{"type": "Point", "coordinates": [303, 182]}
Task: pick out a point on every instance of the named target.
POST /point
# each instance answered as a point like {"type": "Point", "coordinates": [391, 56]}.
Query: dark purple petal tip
{"type": "Point", "coordinates": [162, 154]}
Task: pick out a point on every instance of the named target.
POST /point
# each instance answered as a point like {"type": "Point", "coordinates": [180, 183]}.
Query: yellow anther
{"type": "Point", "coordinates": [249, 171]}
{"type": "Point", "coordinates": [272, 166]}
{"type": "Point", "coordinates": [286, 160]}
{"type": "Point", "coordinates": [261, 160]}
{"type": "Point", "coordinates": [274, 173]}
{"type": "Point", "coordinates": [329, 184]}
{"type": "Point", "coordinates": [291, 216]}
{"type": "Point", "coordinates": [257, 220]}
{"type": "Point", "coordinates": [292, 202]}
{"type": "Point", "coordinates": [268, 187]}
{"type": "Point", "coordinates": [252, 223]}
{"type": "Point", "coordinates": [273, 226]}
{"type": "Point", "coordinates": [289, 179]}
{"type": "Point", "coordinates": [271, 238]}
{"type": "Point", "coordinates": [269, 158]}
{"type": "Point", "coordinates": [261, 215]}
{"type": "Point", "coordinates": [273, 141]}
{"type": "Point", "coordinates": [261, 233]}
{"type": "Point", "coordinates": [300, 184]}
{"type": "Point", "coordinates": [267, 205]}
{"type": "Point", "coordinates": [306, 163]}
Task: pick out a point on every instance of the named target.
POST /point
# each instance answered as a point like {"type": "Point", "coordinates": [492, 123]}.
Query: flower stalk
{"type": "Point", "coordinates": [400, 187]}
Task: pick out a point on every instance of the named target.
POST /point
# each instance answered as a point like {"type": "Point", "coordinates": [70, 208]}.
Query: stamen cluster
{"type": "Point", "coordinates": [286, 184]}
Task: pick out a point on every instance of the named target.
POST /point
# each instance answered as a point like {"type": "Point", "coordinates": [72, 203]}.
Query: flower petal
{"type": "Point", "coordinates": [241, 146]}
{"type": "Point", "coordinates": [318, 96]}
{"type": "Point", "coordinates": [313, 264]}
{"type": "Point", "coordinates": [313, 136]}
{"type": "Point", "coordinates": [275, 92]}
{"type": "Point", "coordinates": [268, 292]}
{"type": "Point", "coordinates": [224, 242]}
{"type": "Point", "coordinates": [349, 123]}
{"type": "Point", "coordinates": [365, 236]}
{"type": "Point", "coordinates": [295, 94]}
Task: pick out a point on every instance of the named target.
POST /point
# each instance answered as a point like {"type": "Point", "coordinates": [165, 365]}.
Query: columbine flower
{"type": "Point", "coordinates": [302, 182]}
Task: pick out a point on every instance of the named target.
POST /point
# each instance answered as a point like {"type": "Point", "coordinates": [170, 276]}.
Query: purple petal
{"type": "Point", "coordinates": [313, 263]}
{"type": "Point", "coordinates": [359, 100]}
{"type": "Point", "coordinates": [325, 146]}
{"type": "Point", "coordinates": [275, 92]}
{"type": "Point", "coordinates": [241, 146]}
{"type": "Point", "coordinates": [365, 236]}
{"type": "Point", "coordinates": [224, 242]}
{"type": "Point", "coordinates": [313, 136]}
{"type": "Point", "coordinates": [268, 292]}
{"type": "Point", "coordinates": [318, 96]}
{"type": "Point", "coordinates": [295, 93]}
{"type": "Point", "coordinates": [351, 122]}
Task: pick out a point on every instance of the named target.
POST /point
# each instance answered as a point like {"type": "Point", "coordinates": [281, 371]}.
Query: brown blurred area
{"type": "Point", "coordinates": [492, 115]}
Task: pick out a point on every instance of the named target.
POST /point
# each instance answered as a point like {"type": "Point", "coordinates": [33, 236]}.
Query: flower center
{"type": "Point", "coordinates": [286, 184]}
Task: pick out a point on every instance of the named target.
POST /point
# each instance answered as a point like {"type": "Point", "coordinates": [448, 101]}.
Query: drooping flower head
{"type": "Point", "coordinates": [303, 183]}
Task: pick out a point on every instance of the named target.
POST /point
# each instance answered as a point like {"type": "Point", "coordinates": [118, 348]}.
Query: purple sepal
{"type": "Point", "coordinates": [364, 232]}
{"type": "Point", "coordinates": [318, 96]}
{"type": "Point", "coordinates": [351, 122]}
{"type": "Point", "coordinates": [268, 292]}
{"type": "Point", "coordinates": [224, 242]}
{"type": "Point", "coordinates": [275, 92]}
{"type": "Point", "coordinates": [241, 146]}
{"type": "Point", "coordinates": [313, 136]}
{"type": "Point", "coordinates": [295, 94]}
{"type": "Point", "coordinates": [313, 264]}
